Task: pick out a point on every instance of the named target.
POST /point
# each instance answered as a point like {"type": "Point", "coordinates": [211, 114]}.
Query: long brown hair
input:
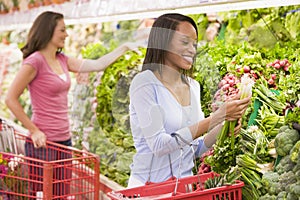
{"type": "Point", "coordinates": [41, 32]}
{"type": "Point", "coordinates": [160, 37]}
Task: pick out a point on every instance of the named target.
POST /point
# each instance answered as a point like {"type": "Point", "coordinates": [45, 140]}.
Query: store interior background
{"type": "Point", "coordinates": [84, 36]}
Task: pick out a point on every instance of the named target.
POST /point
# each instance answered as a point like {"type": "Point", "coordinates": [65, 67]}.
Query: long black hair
{"type": "Point", "coordinates": [160, 37]}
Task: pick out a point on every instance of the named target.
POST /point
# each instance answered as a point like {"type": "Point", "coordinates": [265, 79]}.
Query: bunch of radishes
{"type": "Point", "coordinates": [272, 79]}
{"type": "Point", "coordinates": [244, 69]}
{"type": "Point", "coordinates": [278, 64]}
{"type": "Point", "coordinates": [247, 70]}
{"type": "Point", "coordinates": [204, 168]}
{"type": "Point", "coordinates": [227, 88]}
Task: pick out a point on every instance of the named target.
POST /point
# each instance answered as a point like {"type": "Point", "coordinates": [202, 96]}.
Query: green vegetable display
{"type": "Point", "coordinates": [285, 140]}
{"type": "Point", "coordinates": [113, 116]}
{"type": "Point", "coordinates": [270, 177]}
{"type": "Point", "coordinates": [225, 179]}
{"type": "Point", "coordinates": [215, 59]}
{"type": "Point", "coordinates": [285, 165]}
{"type": "Point", "coordinates": [284, 182]}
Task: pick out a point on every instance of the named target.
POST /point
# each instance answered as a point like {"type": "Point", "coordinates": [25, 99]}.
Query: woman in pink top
{"type": "Point", "coordinates": [45, 72]}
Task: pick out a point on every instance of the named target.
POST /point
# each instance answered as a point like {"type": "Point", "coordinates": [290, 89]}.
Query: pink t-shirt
{"type": "Point", "coordinates": [49, 97]}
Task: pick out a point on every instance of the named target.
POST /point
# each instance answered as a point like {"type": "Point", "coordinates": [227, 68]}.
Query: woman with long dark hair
{"type": "Point", "coordinates": [167, 123]}
{"type": "Point", "coordinates": [45, 72]}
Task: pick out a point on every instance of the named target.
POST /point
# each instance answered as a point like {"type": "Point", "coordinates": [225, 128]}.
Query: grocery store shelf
{"type": "Point", "coordinates": [95, 11]}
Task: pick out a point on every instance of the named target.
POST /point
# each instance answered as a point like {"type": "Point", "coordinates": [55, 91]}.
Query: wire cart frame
{"type": "Point", "coordinates": [62, 173]}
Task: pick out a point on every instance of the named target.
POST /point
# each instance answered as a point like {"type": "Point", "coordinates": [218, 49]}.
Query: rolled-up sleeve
{"type": "Point", "coordinates": [201, 147]}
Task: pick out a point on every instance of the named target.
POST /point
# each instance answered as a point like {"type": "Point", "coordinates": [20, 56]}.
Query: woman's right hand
{"type": "Point", "coordinates": [39, 139]}
{"type": "Point", "coordinates": [234, 108]}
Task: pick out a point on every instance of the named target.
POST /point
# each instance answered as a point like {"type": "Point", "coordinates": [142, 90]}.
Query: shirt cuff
{"type": "Point", "coordinates": [203, 147]}
{"type": "Point", "coordinates": [185, 136]}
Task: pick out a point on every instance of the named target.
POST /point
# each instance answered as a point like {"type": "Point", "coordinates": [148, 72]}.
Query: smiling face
{"type": "Point", "coordinates": [182, 49]}
{"type": "Point", "coordinates": [59, 34]}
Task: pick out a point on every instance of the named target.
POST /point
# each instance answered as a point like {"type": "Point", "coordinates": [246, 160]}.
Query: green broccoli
{"type": "Point", "coordinates": [267, 197]}
{"type": "Point", "coordinates": [271, 182]}
{"type": "Point", "coordinates": [296, 170]}
{"type": "Point", "coordinates": [284, 128]}
{"type": "Point", "coordinates": [275, 188]}
{"type": "Point", "coordinates": [282, 195]}
{"type": "Point", "coordinates": [269, 177]}
{"type": "Point", "coordinates": [286, 179]}
{"type": "Point", "coordinates": [284, 165]}
{"type": "Point", "coordinates": [291, 196]}
{"type": "Point", "coordinates": [285, 140]}
{"type": "Point", "coordinates": [297, 166]}
{"type": "Point", "coordinates": [297, 174]}
{"type": "Point", "coordinates": [295, 152]}
{"type": "Point", "coordinates": [295, 188]}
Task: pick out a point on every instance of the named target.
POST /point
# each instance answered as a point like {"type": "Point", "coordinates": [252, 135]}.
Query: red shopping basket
{"type": "Point", "coordinates": [61, 173]}
{"type": "Point", "coordinates": [186, 188]}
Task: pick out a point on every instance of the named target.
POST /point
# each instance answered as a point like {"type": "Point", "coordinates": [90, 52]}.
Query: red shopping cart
{"type": "Point", "coordinates": [73, 174]}
{"type": "Point", "coordinates": [187, 188]}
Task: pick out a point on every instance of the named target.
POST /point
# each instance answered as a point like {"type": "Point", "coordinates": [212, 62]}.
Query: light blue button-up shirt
{"type": "Point", "coordinates": [154, 115]}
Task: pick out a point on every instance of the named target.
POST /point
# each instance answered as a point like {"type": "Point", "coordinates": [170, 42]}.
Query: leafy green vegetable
{"type": "Point", "coordinates": [284, 141]}
{"type": "Point", "coordinates": [93, 51]}
{"type": "Point", "coordinates": [282, 195]}
{"type": "Point", "coordinates": [270, 177]}
{"type": "Point", "coordinates": [292, 23]}
{"type": "Point", "coordinates": [294, 188]}
{"type": "Point", "coordinates": [223, 157]}
{"type": "Point", "coordinates": [268, 197]}
{"type": "Point", "coordinates": [223, 179]}
{"type": "Point", "coordinates": [295, 152]}
{"type": "Point", "coordinates": [286, 179]}
{"type": "Point", "coordinates": [284, 165]}
{"type": "Point", "coordinates": [290, 85]}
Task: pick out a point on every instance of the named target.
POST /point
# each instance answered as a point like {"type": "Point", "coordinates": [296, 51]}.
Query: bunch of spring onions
{"type": "Point", "coordinates": [245, 89]}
